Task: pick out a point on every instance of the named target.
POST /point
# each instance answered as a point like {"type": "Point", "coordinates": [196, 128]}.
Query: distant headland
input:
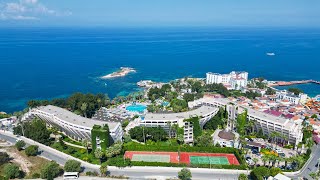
{"type": "Point", "coordinates": [120, 73]}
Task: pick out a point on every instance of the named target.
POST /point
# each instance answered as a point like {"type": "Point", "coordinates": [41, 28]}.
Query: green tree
{"type": "Point", "coordinates": [50, 170]}
{"type": "Point", "coordinates": [35, 130]}
{"type": "Point", "coordinates": [241, 123]}
{"type": "Point", "coordinates": [260, 173]}
{"type": "Point", "coordinates": [4, 158]}
{"type": "Point", "coordinates": [188, 97]}
{"type": "Point", "coordinates": [185, 174]}
{"type": "Point", "coordinates": [270, 91]}
{"type": "Point", "coordinates": [72, 166]}
{"type": "Point", "coordinates": [86, 143]}
{"type": "Point", "coordinates": [179, 105]}
{"type": "Point", "coordinates": [11, 171]}
{"type": "Point", "coordinates": [103, 169]}
{"type": "Point", "coordinates": [255, 160]}
{"type": "Point", "coordinates": [216, 121]}
{"type": "Point", "coordinates": [296, 91]}
{"type": "Point", "coordinates": [243, 177]}
{"type": "Point", "coordinates": [20, 145]}
{"type": "Point", "coordinates": [98, 154]}
{"type": "Point", "coordinates": [149, 133]}
{"type": "Point", "coordinates": [31, 150]}
{"type": "Point", "coordinates": [274, 171]}
{"type": "Point", "coordinates": [205, 140]}
{"type": "Point", "coordinates": [83, 108]}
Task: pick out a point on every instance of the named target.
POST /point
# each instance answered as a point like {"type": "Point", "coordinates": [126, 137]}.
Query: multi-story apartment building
{"type": "Point", "coordinates": [291, 97]}
{"type": "Point", "coordinates": [266, 122]}
{"type": "Point", "coordinates": [233, 80]}
{"type": "Point", "coordinates": [166, 120]}
{"type": "Point", "coordinates": [74, 126]}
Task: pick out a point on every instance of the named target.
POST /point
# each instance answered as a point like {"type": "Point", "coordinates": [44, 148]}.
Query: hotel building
{"type": "Point", "coordinates": [74, 126]}
{"type": "Point", "coordinates": [165, 120]}
{"type": "Point", "coordinates": [291, 97]}
{"type": "Point", "coordinates": [266, 122]}
{"type": "Point", "coordinates": [233, 80]}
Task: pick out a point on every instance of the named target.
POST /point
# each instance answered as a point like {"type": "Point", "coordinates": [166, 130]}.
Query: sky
{"type": "Point", "coordinates": [160, 13]}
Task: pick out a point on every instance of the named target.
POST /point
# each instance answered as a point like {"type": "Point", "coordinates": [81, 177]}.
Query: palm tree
{"type": "Point", "coordinates": [299, 160]}
{"type": "Point", "coordinates": [251, 125]}
{"type": "Point", "coordinates": [98, 154]}
{"type": "Point", "coordinates": [255, 160]}
{"type": "Point", "coordinates": [99, 102]}
{"type": "Point", "coordinates": [279, 159]}
{"type": "Point", "coordinates": [264, 159]}
{"type": "Point", "coordinates": [83, 108]}
{"type": "Point", "coordinates": [273, 160]}
{"type": "Point", "coordinates": [86, 143]}
{"type": "Point", "coordinates": [274, 136]}
{"type": "Point", "coordinates": [169, 125]}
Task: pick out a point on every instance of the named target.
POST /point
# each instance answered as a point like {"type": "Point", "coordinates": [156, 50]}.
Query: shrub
{"type": "Point", "coordinates": [274, 171]}
{"type": "Point", "coordinates": [35, 176]}
{"type": "Point", "coordinates": [185, 174]}
{"type": "Point", "coordinates": [103, 169]}
{"type": "Point", "coordinates": [243, 177]}
{"type": "Point", "coordinates": [20, 144]}
{"type": "Point", "coordinates": [72, 166]}
{"type": "Point", "coordinates": [50, 170]}
{"type": "Point", "coordinates": [92, 173]}
{"type": "Point", "coordinates": [11, 171]}
{"type": "Point", "coordinates": [260, 173]}
{"type": "Point", "coordinates": [32, 150]}
{"type": "Point", "coordinates": [4, 158]}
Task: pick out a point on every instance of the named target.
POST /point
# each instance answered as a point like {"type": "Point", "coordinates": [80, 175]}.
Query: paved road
{"type": "Point", "coordinates": [310, 166]}
{"type": "Point", "coordinates": [133, 172]}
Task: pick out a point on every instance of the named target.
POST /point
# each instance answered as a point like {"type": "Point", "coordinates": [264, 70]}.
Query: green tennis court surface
{"type": "Point", "coordinates": [209, 160]}
{"type": "Point", "coordinates": [151, 158]}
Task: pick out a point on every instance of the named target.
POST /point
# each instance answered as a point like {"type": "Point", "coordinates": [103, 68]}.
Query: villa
{"type": "Point", "coordinates": [73, 125]}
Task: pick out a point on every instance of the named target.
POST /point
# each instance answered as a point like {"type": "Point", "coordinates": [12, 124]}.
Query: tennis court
{"type": "Point", "coordinates": [209, 160]}
{"type": "Point", "coordinates": [151, 158]}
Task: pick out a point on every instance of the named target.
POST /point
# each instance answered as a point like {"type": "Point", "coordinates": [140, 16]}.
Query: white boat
{"type": "Point", "coordinates": [271, 54]}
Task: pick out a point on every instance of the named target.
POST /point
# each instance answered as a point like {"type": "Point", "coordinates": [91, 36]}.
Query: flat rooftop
{"type": "Point", "coordinates": [279, 120]}
{"type": "Point", "coordinates": [72, 118]}
{"type": "Point", "coordinates": [203, 110]}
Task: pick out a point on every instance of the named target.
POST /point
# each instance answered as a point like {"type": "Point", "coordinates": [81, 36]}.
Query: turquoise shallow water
{"type": "Point", "coordinates": [41, 63]}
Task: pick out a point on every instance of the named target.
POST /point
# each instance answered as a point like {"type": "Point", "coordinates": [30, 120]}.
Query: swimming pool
{"type": "Point", "coordinates": [136, 108]}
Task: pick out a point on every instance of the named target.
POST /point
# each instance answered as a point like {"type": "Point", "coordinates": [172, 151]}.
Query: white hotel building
{"type": "Point", "coordinates": [233, 80]}
{"type": "Point", "coordinates": [266, 122]}
{"type": "Point", "coordinates": [205, 113]}
{"type": "Point", "coordinates": [74, 126]}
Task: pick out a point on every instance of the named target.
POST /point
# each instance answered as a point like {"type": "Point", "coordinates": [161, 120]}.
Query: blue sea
{"type": "Point", "coordinates": [45, 63]}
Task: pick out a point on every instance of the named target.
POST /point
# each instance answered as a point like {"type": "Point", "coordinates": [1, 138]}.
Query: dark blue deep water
{"type": "Point", "coordinates": [43, 63]}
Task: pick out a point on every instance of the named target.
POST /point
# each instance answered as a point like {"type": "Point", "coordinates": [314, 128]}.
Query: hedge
{"type": "Point", "coordinates": [134, 147]}
{"type": "Point", "coordinates": [162, 164]}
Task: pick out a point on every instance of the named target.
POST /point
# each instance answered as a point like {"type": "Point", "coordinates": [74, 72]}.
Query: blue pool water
{"type": "Point", "coordinates": [136, 108]}
{"type": "Point", "coordinates": [165, 103]}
